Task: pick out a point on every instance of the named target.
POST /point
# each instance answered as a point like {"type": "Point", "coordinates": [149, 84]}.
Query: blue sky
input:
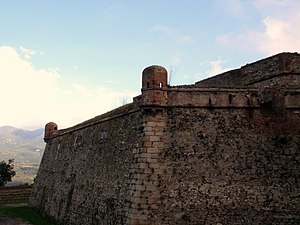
{"type": "Point", "coordinates": [70, 60]}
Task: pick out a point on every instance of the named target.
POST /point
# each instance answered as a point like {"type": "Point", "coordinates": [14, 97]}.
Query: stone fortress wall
{"type": "Point", "coordinates": [222, 151]}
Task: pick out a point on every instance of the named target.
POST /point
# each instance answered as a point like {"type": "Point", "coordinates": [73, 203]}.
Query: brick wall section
{"type": "Point", "coordinates": [147, 170]}
{"type": "Point", "coordinates": [15, 193]}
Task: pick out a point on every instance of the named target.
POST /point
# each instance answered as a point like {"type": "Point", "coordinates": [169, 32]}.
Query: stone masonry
{"type": "Point", "coordinates": [225, 150]}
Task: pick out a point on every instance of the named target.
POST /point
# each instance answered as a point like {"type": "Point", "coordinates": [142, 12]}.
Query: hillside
{"type": "Point", "coordinates": [25, 147]}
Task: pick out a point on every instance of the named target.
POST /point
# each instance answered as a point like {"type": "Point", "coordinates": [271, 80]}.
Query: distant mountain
{"type": "Point", "coordinates": [27, 134]}
{"type": "Point", "coordinates": [25, 147]}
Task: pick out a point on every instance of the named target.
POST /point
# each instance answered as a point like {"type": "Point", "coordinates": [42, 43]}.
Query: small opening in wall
{"type": "Point", "coordinates": [248, 101]}
{"type": "Point", "coordinates": [209, 102]}
{"type": "Point", "coordinates": [148, 84]}
{"type": "Point", "coordinates": [230, 98]}
{"type": "Point", "coordinates": [160, 85]}
{"type": "Point", "coordinates": [55, 128]}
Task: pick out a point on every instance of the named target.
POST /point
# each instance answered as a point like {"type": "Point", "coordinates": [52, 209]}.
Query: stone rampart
{"type": "Point", "coordinates": [229, 166]}
{"type": "Point", "coordinates": [260, 73]}
{"type": "Point", "coordinates": [84, 173]}
{"type": "Point", "coordinates": [194, 154]}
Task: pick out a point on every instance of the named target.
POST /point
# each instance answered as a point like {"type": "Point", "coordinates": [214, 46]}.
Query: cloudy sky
{"type": "Point", "coordinates": [70, 60]}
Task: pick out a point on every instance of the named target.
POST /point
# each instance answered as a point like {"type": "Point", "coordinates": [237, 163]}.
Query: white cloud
{"type": "Point", "coordinates": [278, 31]}
{"type": "Point", "coordinates": [214, 68]}
{"type": "Point", "coordinates": [187, 39]}
{"type": "Point", "coordinates": [280, 35]}
{"type": "Point", "coordinates": [31, 97]}
{"type": "Point", "coordinates": [160, 29]}
{"type": "Point", "coordinates": [28, 53]}
{"type": "Point", "coordinates": [275, 5]}
{"type": "Point", "coordinates": [24, 91]}
{"type": "Point", "coordinates": [84, 103]}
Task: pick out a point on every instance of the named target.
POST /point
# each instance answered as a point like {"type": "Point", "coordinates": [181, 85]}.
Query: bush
{"type": "Point", "coordinates": [6, 171]}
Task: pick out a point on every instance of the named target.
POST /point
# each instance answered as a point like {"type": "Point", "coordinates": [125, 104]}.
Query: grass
{"type": "Point", "coordinates": [19, 209]}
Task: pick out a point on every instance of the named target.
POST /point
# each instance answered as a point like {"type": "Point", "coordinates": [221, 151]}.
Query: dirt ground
{"type": "Point", "coordinates": [10, 221]}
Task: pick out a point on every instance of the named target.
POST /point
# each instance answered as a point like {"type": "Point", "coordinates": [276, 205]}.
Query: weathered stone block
{"type": "Point", "coordinates": [154, 138]}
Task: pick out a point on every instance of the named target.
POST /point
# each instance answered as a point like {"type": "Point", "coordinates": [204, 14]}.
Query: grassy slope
{"type": "Point", "coordinates": [19, 209]}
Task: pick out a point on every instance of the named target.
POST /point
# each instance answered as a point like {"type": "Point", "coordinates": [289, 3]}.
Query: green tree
{"type": "Point", "coordinates": [6, 171]}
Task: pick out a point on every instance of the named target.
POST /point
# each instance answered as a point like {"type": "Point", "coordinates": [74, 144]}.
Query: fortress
{"type": "Point", "coordinates": [224, 151]}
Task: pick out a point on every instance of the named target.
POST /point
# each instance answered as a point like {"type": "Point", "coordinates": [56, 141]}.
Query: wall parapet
{"type": "Point", "coordinates": [283, 64]}
{"type": "Point", "coordinates": [186, 97]}
{"type": "Point", "coordinates": [117, 113]}
{"type": "Point", "coordinates": [227, 98]}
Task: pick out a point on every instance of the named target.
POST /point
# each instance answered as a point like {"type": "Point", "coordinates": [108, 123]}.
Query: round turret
{"type": "Point", "coordinates": [155, 77]}
{"type": "Point", "coordinates": [50, 130]}
{"type": "Point", "coordinates": [154, 86]}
